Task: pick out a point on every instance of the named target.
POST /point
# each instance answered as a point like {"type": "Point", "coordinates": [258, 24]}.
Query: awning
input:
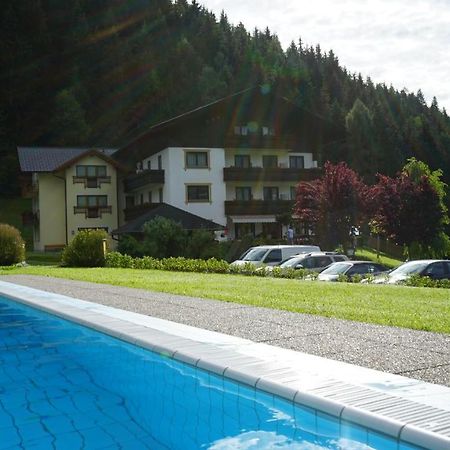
{"type": "Point", "coordinates": [253, 219]}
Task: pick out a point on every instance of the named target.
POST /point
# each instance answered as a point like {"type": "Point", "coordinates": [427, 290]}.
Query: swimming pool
{"type": "Point", "coordinates": [65, 386]}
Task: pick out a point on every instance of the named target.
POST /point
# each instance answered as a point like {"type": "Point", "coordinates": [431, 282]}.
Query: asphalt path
{"type": "Point", "coordinates": [416, 354]}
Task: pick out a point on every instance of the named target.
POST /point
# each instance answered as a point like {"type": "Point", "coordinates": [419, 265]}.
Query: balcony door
{"type": "Point", "coordinates": [271, 193]}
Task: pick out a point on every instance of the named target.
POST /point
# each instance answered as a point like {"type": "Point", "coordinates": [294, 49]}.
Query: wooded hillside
{"type": "Point", "coordinates": [99, 72]}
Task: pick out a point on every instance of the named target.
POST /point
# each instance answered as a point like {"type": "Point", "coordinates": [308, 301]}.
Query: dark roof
{"type": "Point", "coordinates": [212, 126]}
{"type": "Point", "coordinates": [48, 159]}
{"type": "Point", "coordinates": [187, 220]}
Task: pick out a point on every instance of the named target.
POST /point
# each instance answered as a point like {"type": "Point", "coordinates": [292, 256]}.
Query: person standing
{"type": "Point", "coordinates": [290, 235]}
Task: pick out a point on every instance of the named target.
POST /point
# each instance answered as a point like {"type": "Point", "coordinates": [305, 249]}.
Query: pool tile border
{"type": "Point", "coordinates": [251, 363]}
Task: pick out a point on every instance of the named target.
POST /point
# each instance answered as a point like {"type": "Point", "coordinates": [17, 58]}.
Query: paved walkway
{"type": "Point", "coordinates": [415, 354]}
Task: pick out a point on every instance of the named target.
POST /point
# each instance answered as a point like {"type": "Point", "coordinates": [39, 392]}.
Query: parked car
{"type": "Point", "coordinates": [316, 261]}
{"type": "Point", "coordinates": [350, 269]}
{"type": "Point", "coordinates": [436, 269]}
{"type": "Point", "coordinates": [273, 254]}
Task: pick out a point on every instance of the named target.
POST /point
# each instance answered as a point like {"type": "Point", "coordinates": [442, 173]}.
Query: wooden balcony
{"type": "Point", "coordinates": [92, 212]}
{"type": "Point", "coordinates": [92, 182]}
{"type": "Point", "coordinates": [270, 174]}
{"type": "Point", "coordinates": [258, 207]}
{"type": "Point", "coordinates": [136, 181]}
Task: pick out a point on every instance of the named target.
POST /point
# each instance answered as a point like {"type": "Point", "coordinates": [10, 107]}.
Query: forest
{"type": "Point", "coordinates": [99, 72]}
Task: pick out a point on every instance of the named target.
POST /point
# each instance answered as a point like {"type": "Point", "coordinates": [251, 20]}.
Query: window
{"type": "Point", "coordinates": [242, 161]}
{"type": "Point", "coordinates": [267, 131]}
{"type": "Point", "coordinates": [197, 193]}
{"type": "Point", "coordinates": [293, 192]}
{"type": "Point", "coordinates": [91, 171]}
{"type": "Point", "coordinates": [244, 229]}
{"type": "Point", "coordinates": [270, 193]}
{"type": "Point", "coordinates": [270, 161]}
{"type": "Point", "coordinates": [89, 175]}
{"type": "Point", "coordinates": [159, 162]}
{"type": "Point", "coordinates": [296, 162]}
{"type": "Point", "coordinates": [435, 270]}
{"type": "Point", "coordinates": [359, 269]}
{"type": "Point", "coordinates": [92, 205]}
{"type": "Point", "coordinates": [273, 256]}
{"type": "Point", "coordinates": [244, 193]}
{"type": "Point", "coordinates": [91, 201]}
{"type": "Point", "coordinates": [197, 160]}
{"type": "Point", "coordinates": [129, 201]}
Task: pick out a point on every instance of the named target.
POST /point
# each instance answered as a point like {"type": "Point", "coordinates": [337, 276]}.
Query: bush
{"type": "Point", "coordinates": [12, 246]}
{"type": "Point", "coordinates": [128, 245]}
{"type": "Point", "coordinates": [85, 250]}
{"type": "Point", "coordinates": [163, 238]}
{"type": "Point", "coordinates": [419, 281]}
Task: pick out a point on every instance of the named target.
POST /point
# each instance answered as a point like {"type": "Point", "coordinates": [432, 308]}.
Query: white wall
{"type": "Point", "coordinates": [177, 176]}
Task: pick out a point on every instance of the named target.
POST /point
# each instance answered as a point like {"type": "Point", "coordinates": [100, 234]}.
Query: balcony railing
{"type": "Point", "coordinates": [92, 182]}
{"type": "Point", "coordinates": [92, 212]}
{"type": "Point", "coordinates": [270, 174]}
{"type": "Point", "coordinates": [132, 212]}
{"type": "Point", "coordinates": [143, 178]}
{"type": "Point", "coordinates": [258, 207]}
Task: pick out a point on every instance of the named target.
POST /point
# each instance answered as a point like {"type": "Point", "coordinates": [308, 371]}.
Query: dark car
{"type": "Point", "coordinates": [350, 269]}
{"type": "Point", "coordinates": [436, 269]}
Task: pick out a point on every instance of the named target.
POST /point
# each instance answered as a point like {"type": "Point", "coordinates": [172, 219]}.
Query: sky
{"type": "Point", "coordinates": [405, 43]}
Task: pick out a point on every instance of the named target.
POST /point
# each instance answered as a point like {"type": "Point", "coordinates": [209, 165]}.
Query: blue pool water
{"type": "Point", "coordinates": [63, 386]}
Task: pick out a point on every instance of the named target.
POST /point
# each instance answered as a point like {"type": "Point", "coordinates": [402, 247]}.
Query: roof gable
{"type": "Point", "coordinates": [49, 159]}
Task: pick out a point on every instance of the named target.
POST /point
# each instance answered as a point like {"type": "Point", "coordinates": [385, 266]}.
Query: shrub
{"type": "Point", "coordinates": [12, 246]}
{"type": "Point", "coordinates": [128, 245]}
{"type": "Point", "coordinates": [163, 238]}
{"type": "Point", "coordinates": [419, 281]}
{"type": "Point", "coordinates": [85, 250]}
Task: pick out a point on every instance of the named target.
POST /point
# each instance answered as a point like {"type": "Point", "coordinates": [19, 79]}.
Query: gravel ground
{"type": "Point", "coordinates": [415, 354]}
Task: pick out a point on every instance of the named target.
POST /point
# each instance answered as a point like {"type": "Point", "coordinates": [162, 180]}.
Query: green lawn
{"type": "Point", "coordinates": [416, 308]}
{"type": "Point", "coordinates": [369, 254]}
{"type": "Point", "coordinates": [43, 259]}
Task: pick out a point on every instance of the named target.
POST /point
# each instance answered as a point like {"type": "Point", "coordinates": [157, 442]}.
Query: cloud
{"type": "Point", "coordinates": [400, 42]}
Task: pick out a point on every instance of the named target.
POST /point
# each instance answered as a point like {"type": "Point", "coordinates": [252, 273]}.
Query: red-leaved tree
{"type": "Point", "coordinates": [405, 210]}
{"type": "Point", "coordinates": [332, 204]}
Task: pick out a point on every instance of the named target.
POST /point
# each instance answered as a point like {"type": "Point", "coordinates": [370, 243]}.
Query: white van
{"type": "Point", "coordinates": [272, 255]}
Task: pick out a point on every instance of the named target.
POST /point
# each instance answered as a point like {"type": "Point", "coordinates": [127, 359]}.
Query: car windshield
{"type": "Point", "coordinates": [255, 255]}
{"type": "Point", "coordinates": [336, 268]}
{"type": "Point", "coordinates": [410, 268]}
{"type": "Point", "coordinates": [291, 262]}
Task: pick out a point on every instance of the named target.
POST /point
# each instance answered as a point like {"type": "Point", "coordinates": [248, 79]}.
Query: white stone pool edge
{"type": "Point", "coordinates": [404, 408]}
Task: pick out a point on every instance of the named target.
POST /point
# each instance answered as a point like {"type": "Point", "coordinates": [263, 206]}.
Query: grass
{"type": "Point", "coordinates": [415, 308]}
{"type": "Point", "coordinates": [369, 254]}
{"type": "Point", "coordinates": [43, 259]}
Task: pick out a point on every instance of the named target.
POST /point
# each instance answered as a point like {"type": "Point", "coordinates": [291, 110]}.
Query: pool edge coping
{"type": "Point", "coordinates": [175, 348]}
